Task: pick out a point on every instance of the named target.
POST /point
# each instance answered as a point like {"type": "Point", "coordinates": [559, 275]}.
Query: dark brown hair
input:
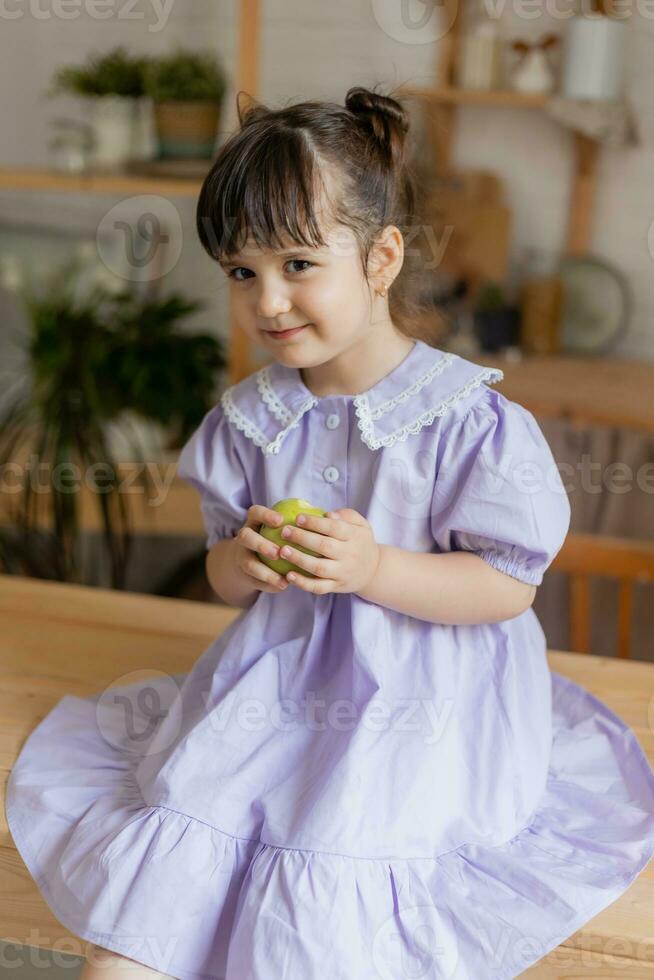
{"type": "Point", "coordinates": [267, 176]}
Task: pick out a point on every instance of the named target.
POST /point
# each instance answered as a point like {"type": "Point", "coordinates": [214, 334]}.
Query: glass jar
{"type": "Point", "coordinates": [479, 64]}
{"type": "Point", "coordinates": [70, 146]}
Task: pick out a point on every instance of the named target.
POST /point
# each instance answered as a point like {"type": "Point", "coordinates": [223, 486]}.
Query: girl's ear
{"type": "Point", "coordinates": [386, 256]}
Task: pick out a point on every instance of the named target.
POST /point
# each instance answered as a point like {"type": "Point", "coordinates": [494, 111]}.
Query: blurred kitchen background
{"type": "Point", "coordinates": [533, 146]}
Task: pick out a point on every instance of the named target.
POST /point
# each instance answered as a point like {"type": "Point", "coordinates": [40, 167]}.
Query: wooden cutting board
{"type": "Point", "coordinates": [472, 225]}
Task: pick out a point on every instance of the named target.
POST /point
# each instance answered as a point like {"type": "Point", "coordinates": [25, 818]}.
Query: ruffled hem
{"type": "Point", "coordinates": [193, 902]}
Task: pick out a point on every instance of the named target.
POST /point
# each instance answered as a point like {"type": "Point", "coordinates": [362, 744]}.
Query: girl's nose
{"type": "Point", "coordinates": [272, 301]}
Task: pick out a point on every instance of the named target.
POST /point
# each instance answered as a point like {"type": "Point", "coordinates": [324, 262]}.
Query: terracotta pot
{"type": "Point", "coordinates": [186, 129]}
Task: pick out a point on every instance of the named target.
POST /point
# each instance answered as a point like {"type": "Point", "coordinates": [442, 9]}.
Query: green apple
{"type": "Point", "coordinates": [289, 508]}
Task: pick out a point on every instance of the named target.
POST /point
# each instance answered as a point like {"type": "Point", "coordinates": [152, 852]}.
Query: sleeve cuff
{"type": "Point", "coordinates": [511, 566]}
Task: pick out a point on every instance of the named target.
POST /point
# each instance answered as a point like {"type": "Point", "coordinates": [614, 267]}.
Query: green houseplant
{"type": "Point", "coordinates": [94, 355]}
{"type": "Point", "coordinates": [187, 89]}
{"type": "Point", "coordinates": [112, 85]}
{"type": "Point", "coordinates": [114, 73]}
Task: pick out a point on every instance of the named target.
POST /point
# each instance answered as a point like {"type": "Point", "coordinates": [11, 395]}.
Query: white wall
{"type": "Point", "coordinates": [318, 50]}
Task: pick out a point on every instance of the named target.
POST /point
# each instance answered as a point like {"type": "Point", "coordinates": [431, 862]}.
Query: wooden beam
{"type": "Point", "coordinates": [247, 81]}
{"type": "Point", "coordinates": [446, 49]}
{"type": "Point", "coordinates": [580, 212]}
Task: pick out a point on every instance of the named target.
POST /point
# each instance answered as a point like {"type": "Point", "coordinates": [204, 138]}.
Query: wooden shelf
{"type": "Point", "coordinates": [459, 96]}
{"type": "Point", "coordinates": [29, 178]}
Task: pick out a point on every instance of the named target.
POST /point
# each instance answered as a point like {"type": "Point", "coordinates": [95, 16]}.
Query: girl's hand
{"type": "Point", "coordinates": [248, 540]}
{"type": "Point", "coordinates": [348, 554]}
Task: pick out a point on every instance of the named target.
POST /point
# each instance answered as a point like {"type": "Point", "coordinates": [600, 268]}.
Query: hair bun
{"type": "Point", "coordinates": [387, 119]}
{"type": "Point", "coordinates": [250, 110]}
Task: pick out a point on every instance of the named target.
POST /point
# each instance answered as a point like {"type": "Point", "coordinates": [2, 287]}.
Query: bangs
{"type": "Point", "coordinates": [269, 196]}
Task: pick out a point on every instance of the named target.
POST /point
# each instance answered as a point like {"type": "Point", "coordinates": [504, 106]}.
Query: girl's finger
{"type": "Point", "coordinates": [254, 541]}
{"type": "Point", "coordinates": [334, 527]}
{"type": "Point", "coordinates": [320, 543]}
{"type": "Point", "coordinates": [261, 573]}
{"type": "Point", "coordinates": [319, 586]}
{"type": "Point", "coordinates": [317, 566]}
{"type": "Point", "coordinates": [259, 514]}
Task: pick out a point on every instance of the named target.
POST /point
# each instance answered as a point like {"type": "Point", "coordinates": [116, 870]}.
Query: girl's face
{"type": "Point", "coordinates": [322, 291]}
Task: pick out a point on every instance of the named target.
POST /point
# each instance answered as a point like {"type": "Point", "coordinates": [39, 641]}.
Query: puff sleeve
{"type": "Point", "coordinates": [210, 462]}
{"type": "Point", "coordinates": [498, 491]}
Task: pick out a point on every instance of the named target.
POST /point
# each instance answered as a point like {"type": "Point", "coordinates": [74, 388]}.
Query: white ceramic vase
{"type": "Point", "coordinates": [593, 58]}
{"type": "Point", "coordinates": [114, 120]}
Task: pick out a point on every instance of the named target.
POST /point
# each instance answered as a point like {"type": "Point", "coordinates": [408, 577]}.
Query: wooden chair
{"type": "Point", "coordinates": [586, 555]}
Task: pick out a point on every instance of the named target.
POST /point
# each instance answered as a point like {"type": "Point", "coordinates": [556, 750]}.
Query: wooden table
{"type": "Point", "coordinates": [59, 639]}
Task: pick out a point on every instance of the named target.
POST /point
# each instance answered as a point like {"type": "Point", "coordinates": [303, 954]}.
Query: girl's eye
{"type": "Point", "coordinates": [301, 262]}
{"type": "Point", "coordinates": [231, 273]}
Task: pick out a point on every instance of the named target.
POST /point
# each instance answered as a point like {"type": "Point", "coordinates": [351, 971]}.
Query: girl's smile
{"type": "Point", "coordinates": [278, 335]}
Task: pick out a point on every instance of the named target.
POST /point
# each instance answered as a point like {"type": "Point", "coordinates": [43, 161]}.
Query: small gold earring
{"type": "Point", "coordinates": [382, 292]}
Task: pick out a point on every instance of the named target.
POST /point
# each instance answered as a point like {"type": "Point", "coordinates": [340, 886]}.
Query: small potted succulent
{"type": "Point", "coordinates": [187, 89]}
{"type": "Point", "coordinates": [112, 85]}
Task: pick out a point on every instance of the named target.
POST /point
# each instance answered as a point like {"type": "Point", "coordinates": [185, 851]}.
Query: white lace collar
{"type": "Point", "coordinates": [268, 404]}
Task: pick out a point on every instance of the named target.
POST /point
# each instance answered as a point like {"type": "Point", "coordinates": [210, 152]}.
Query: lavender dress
{"type": "Point", "coordinates": [337, 789]}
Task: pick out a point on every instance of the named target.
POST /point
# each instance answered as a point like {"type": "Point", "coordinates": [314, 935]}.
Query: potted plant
{"type": "Point", "coordinates": [140, 364]}
{"type": "Point", "coordinates": [187, 89]}
{"type": "Point", "coordinates": [497, 322]}
{"type": "Point", "coordinates": [95, 356]}
{"type": "Point", "coordinates": [112, 84]}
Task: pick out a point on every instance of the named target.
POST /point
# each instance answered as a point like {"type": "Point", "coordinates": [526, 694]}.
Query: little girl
{"type": "Point", "coordinates": [372, 772]}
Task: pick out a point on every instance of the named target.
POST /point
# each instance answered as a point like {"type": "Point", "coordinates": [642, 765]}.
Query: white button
{"type": "Point", "coordinates": [333, 421]}
{"type": "Point", "coordinates": [331, 474]}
